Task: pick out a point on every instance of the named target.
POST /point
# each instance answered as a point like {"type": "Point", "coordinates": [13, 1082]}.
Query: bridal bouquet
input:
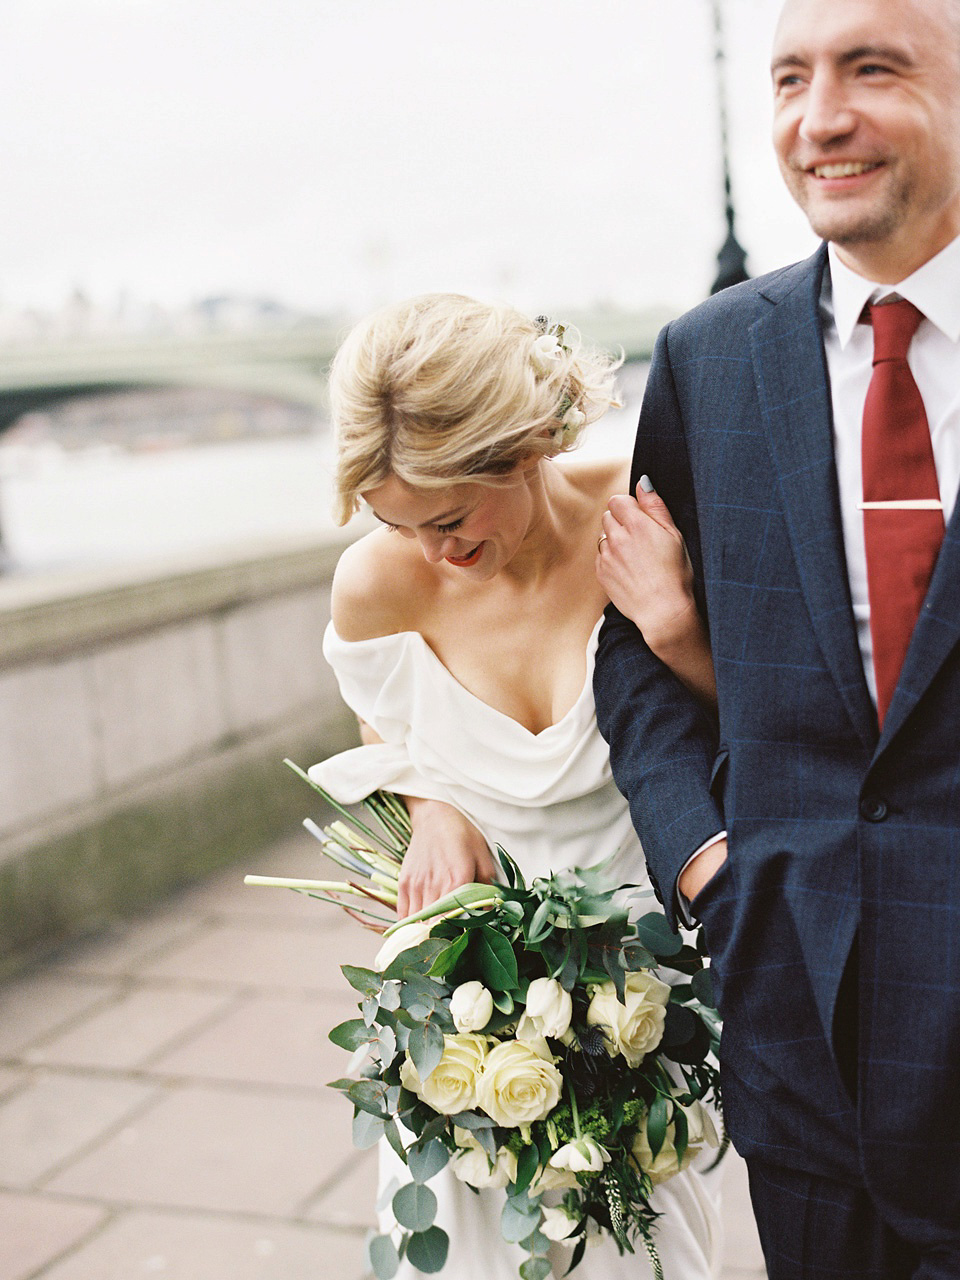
{"type": "Point", "coordinates": [535, 1038]}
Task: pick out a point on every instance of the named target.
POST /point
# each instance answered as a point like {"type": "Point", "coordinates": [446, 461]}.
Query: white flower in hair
{"type": "Point", "coordinates": [545, 354]}
{"type": "Point", "coordinates": [573, 419]}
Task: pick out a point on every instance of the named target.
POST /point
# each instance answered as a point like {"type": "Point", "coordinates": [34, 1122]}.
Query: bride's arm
{"type": "Point", "coordinates": [643, 566]}
{"type": "Point", "coordinates": [446, 850]}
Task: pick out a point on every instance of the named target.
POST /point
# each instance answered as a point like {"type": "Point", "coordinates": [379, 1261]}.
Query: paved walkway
{"type": "Point", "coordinates": [162, 1102]}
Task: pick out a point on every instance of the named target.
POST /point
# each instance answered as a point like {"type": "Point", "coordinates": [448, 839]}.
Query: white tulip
{"type": "Point", "coordinates": [585, 1155]}
{"type": "Point", "coordinates": [545, 354]}
{"type": "Point", "coordinates": [557, 1224]}
{"type": "Point", "coordinates": [471, 1006]}
{"type": "Point", "coordinates": [402, 939]}
{"type": "Point", "coordinates": [548, 1010]}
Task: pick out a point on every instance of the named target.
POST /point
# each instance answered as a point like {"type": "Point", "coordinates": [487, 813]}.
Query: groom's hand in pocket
{"type": "Point", "coordinates": [446, 851]}
{"type": "Point", "coordinates": [700, 870]}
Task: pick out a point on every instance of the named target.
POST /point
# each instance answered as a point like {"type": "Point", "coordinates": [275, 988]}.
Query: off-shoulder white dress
{"type": "Point", "coordinates": [550, 800]}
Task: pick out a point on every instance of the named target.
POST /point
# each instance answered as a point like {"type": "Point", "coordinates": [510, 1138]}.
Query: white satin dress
{"type": "Point", "coordinates": [550, 800]}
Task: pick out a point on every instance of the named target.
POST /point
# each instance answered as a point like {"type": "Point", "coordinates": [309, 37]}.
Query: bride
{"type": "Point", "coordinates": [463, 636]}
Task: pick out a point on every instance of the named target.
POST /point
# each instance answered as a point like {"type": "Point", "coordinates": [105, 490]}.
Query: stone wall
{"type": "Point", "coordinates": [145, 723]}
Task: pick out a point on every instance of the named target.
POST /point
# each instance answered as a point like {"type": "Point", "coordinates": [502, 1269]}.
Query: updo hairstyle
{"type": "Point", "coordinates": [441, 389]}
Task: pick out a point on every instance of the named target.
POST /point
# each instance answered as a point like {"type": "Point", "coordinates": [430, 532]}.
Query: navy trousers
{"type": "Point", "coordinates": [815, 1229]}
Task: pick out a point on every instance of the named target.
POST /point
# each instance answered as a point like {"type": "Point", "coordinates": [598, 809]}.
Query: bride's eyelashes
{"type": "Point", "coordinates": [452, 527]}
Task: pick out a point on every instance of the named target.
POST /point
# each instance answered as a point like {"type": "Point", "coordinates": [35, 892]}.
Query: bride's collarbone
{"type": "Point", "coordinates": [534, 677]}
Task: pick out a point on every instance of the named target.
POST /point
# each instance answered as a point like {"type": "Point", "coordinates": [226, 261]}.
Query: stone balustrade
{"type": "Point", "coordinates": [145, 719]}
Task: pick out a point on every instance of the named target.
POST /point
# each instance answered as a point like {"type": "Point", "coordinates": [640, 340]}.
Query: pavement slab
{"type": "Point", "coordinates": [36, 1003]}
{"type": "Point", "coordinates": [268, 1039]}
{"type": "Point", "coordinates": [124, 945]}
{"type": "Point", "coordinates": [35, 1230]}
{"type": "Point", "coordinates": [294, 956]}
{"type": "Point", "coordinates": [226, 1149]}
{"type": "Point", "coordinates": [56, 1117]}
{"type": "Point", "coordinates": [128, 1033]}
{"type": "Point", "coordinates": [141, 1245]}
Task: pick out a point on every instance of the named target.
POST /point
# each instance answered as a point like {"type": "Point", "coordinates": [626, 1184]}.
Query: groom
{"type": "Point", "coordinates": [804, 430]}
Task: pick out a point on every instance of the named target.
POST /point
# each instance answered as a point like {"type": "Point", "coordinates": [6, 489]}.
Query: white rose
{"type": "Point", "coordinates": [636, 1026]}
{"type": "Point", "coordinates": [557, 1224]}
{"type": "Point", "coordinates": [452, 1085]}
{"type": "Point", "coordinates": [666, 1164]}
{"type": "Point", "coordinates": [518, 1086]}
{"type": "Point", "coordinates": [474, 1166]}
{"type": "Point", "coordinates": [403, 938]}
{"type": "Point", "coordinates": [548, 1010]}
{"type": "Point", "coordinates": [471, 1006]}
{"type": "Point", "coordinates": [585, 1155]}
{"type": "Point", "coordinates": [545, 354]}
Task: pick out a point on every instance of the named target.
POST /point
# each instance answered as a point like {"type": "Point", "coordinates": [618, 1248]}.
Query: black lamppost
{"type": "Point", "coordinates": [732, 258]}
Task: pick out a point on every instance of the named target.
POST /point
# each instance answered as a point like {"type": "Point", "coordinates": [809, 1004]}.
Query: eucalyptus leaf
{"type": "Point", "coordinates": [370, 1007]}
{"type": "Point", "coordinates": [427, 1250]}
{"type": "Point", "coordinates": [387, 1194]}
{"type": "Point", "coordinates": [425, 1047]}
{"type": "Point", "coordinates": [471, 1120]}
{"type": "Point", "coordinates": [350, 1035]}
{"type": "Point", "coordinates": [390, 996]}
{"type": "Point", "coordinates": [519, 1219]}
{"type": "Point", "coordinates": [384, 1259]}
{"type": "Point", "coordinates": [367, 1130]}
{"type": "Point", "coordinates": [366, 981]}
{"type": "Point", "coordinates": [679, 1028]}
{"type": "Point", "coordinates": [427, 1160]}
{"type": "Point", "coordinates": [702, 984]}
{"type": "Point", "coordinates": [392, 1135]}
{"type": "Point", "coordinates": [535, 1269]}
{"type": "Point", "coordinates": [368, 1095]}
{"type": "Point", "coordinates": [655, 934]}
{"type": "Point", "coordinates": [386, 1046]}
{"type": "Point", "coordinates": [414, 1206]}
{"type": "Point", "coordinates": [634, 955]}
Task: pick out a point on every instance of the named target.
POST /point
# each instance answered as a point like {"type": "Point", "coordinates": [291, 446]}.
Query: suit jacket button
{"type": "Point", "coordinates": [873, 809]}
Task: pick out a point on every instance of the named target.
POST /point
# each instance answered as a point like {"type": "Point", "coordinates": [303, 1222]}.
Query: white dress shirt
{"type": "Point", "coordinates": [934, 358]}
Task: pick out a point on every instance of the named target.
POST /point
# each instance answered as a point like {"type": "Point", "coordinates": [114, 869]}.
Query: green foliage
{"type": "Point", "coordinates": [573, 927]}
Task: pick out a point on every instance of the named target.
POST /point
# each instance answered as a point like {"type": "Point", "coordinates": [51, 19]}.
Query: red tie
{"type": "Point", "coordinates": [902, 542]}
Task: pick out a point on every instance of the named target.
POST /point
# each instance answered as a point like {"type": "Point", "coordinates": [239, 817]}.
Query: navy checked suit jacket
{"type": "Point", "coordinates": [835, 831]}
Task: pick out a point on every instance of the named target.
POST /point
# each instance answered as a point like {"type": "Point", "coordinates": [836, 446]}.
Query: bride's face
{"type": "Point", "coordinates": [475, 528]}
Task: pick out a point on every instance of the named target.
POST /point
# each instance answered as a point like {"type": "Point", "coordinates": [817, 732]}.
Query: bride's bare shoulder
{"type": "Point", "coordinates": [377, 582]}
{"type": "Point", "coordinates": [599, 479]}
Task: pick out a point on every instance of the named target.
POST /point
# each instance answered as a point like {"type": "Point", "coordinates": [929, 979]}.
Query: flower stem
{"type": "Point", "coordinates": [575, 1111]}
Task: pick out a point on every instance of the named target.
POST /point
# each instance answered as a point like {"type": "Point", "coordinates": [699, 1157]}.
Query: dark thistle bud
{"type": "Point", "coordinates": [593, 1042]}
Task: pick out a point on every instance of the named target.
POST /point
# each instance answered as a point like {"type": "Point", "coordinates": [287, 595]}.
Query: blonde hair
{"type": "Point", "coordinates": [441, 389]}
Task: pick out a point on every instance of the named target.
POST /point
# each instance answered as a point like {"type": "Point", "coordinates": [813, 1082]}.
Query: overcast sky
{"type": "Point", "coordinates": [337, 153]}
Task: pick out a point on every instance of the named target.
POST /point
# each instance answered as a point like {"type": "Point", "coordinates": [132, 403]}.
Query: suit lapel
{"type": "Point", "coordinates": [935, 635]}
{"type": "Point", "coordinates": [791, 376]}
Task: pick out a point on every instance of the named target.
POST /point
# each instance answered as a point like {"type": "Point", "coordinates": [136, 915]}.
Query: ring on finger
{"type": "Point", "coordinates": [601, 540]}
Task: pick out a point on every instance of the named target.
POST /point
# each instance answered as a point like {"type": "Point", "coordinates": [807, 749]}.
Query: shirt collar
{"type": "Point", "coordinates": [934, 289]}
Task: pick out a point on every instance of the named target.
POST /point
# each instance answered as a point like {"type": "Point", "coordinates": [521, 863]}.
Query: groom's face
{"type": "Point", "coordinates": [867, 126]}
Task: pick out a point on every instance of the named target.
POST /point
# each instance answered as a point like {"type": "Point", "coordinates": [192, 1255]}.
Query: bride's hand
{"type": "Point", "coordinates": [643, 566]}
{"type": "Point", "coordinates": [446, 851]}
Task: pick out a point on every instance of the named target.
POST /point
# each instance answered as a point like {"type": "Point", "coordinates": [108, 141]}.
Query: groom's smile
{"type": "Point", "coordinates": [867, 126]}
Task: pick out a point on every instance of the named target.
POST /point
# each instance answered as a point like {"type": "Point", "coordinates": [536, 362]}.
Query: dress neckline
{"type": "Point", "coordinates": [486, 707]}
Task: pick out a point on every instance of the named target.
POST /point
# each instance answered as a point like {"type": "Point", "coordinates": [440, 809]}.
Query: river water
{"type": "Point", "coordinates": [104, 506]}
